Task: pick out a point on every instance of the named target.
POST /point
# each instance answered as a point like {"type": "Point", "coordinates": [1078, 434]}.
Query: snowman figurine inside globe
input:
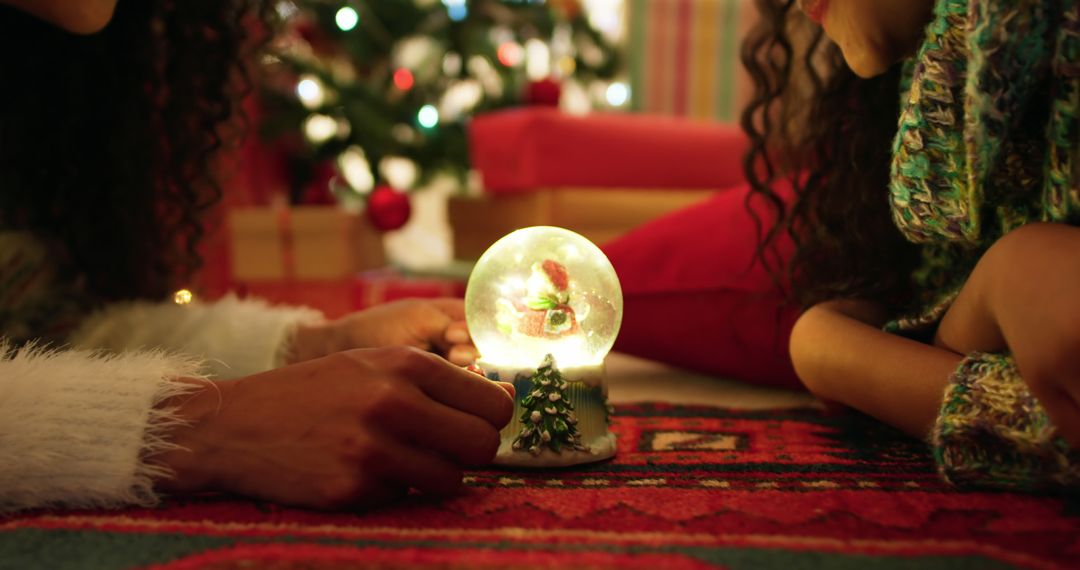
{"type": "Point", "coordinates": [544, 305]}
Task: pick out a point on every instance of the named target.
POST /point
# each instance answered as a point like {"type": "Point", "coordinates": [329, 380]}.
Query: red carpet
{"type": "Point", "coordinates": [692, 487]}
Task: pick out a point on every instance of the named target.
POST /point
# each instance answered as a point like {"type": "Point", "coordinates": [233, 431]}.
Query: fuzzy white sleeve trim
{"type": "Point", "coordinates": [76, 426]}
{"type": "Point", "coordinates": [236, 337]}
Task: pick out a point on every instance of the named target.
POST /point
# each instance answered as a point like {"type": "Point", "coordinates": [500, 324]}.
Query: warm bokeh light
{"type": "Point", "coordinates": [403, 79]}
{"type": "Point", "coordinates": [310, 91]}
{"type": "Point", "coordinates": [183, 297]}
{"type": "Point", "coordinates": [346, 19]}
{"type": "Point", "coordinates": [618, 94]}
{"type": "Point", "coordinates": [510, 54]}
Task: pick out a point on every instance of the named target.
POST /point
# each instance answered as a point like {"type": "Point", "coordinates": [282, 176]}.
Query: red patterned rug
{"type": "Point", "coordinates": [692, 487]}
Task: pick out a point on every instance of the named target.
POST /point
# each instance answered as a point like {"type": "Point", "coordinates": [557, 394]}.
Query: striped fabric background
{"type": "Point", "coordinates": [684, 57]}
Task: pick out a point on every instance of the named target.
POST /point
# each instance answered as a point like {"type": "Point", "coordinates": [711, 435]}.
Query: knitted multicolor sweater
{"type": "Point", "coordinates": [987, 142]}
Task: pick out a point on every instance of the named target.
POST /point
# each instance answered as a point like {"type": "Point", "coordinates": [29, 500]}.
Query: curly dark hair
{"type": "Point", "coordinates": [830, 133]}
{"type": "Point", "coordinates": [108, 139]}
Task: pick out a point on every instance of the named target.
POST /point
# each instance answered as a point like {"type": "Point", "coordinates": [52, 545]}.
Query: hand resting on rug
{"type": "Point", "coordinates": [352, 429]}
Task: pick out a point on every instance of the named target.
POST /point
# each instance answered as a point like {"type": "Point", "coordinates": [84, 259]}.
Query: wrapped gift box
{"type": "Point", "coordinates": [301, 242]}
{"type": "Point", "coordinates": [599, 215]}
{"type": "Point", "coordinates": [336, 297]}
{"type": "Point", "coordinates": [528, 149]}
{"type": "Point", "coordinates": [599, 175]}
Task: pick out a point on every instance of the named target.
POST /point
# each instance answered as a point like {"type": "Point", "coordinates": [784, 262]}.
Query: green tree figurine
{"type": "Point", "coordinates": [548, 415]}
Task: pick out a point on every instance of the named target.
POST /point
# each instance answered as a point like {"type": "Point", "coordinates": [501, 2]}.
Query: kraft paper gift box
{"type": "Point", "coordinates": [301, 242]}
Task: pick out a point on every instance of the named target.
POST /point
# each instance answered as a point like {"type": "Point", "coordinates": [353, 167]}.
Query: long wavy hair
{"type": "Point", "coordinates": [107, 140]}
{"type": "Point", "coordinates": [830, 133]}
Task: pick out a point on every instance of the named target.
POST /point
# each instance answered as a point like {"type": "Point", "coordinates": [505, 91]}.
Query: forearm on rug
{"type": "Point", "coordinates": [843, 355]}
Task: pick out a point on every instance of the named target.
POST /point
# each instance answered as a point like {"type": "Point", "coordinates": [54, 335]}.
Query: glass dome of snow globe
{"type": "Point", "coordinates": [543, 291]}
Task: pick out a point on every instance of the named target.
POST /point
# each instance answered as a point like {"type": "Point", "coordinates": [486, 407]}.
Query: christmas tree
{"type": "Point", "coordinates": [380, 91]}
{"type": "Point", "coordinates": [548, 415]}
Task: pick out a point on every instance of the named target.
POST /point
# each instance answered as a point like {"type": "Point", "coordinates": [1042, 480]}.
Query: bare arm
{"type": "Point", "coordinates": [1021, 298]}
{"type": "Point", "coordinates": [841, 353]}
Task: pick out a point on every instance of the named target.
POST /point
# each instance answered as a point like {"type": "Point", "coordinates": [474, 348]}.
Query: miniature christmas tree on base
{"type": "Point", "coordinates": [548, 415]}
{"type": "Point", "coordinates": [561, 416]}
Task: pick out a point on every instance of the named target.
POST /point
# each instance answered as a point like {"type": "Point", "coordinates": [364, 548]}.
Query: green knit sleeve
{"type": "Point", "coordinates": [992, 432]}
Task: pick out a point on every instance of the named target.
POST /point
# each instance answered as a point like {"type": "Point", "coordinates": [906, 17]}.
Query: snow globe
{"type": "Point", "coordinates": [544, 305]}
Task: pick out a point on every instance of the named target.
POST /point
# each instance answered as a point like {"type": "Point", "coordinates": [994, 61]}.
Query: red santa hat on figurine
{"type": "Point", "coordinates": [547, 302]}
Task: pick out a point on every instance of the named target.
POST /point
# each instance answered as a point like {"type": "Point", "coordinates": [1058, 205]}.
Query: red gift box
{"type": "Point", "coordinates": [599, 175]}
{"type": "Point", "coordinates": [525, 149]}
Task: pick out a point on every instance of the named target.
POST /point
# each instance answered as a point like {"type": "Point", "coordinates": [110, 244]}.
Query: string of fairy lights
{"type": "Point", "coordinates": [465, 83]}
{"type": "Point", "coordinates": [309, 86]}
{"type": "Point", "coordinates": [510, 54]}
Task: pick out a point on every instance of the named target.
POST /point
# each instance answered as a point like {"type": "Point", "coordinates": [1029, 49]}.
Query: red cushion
{"type": "Point", "coordinates": [694, 296]}
{"type": "Point", "coordinates": [521, 150]}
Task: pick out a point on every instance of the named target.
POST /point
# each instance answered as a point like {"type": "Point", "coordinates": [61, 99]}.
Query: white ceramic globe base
{"type": "Point", "coordinates": [599, 449]}
{"type": "Point", "coordinates": [586, 391]}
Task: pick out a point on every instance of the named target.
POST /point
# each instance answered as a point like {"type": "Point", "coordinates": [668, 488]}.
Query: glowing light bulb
{"type": "Point", "coordinates": [428, 117]}
{"type": "Point", "coordinates": [286, 9]}
{"type": "Point", "coordinates": [618, 94]}
{"type": "Point", "coordinates": [356, 169]}
{"type": "Point", "coordinates": [403, 79]}
{"type": "Point", "coordinates": [310, 91]}
{"type": "Point", "coordinates": [320, 128]}
{"type": "Point", "coordinates": [510, 54]}
{"type": "Point", "coordinates": [183, 297]}
{"type": "Point", "coordinates": [537, 59]}
{"type": "Point", "coordinates": [456, 9]}
{"type": "Point", "coordinates": [400, 172]}
{"type": "Point", "coordinates": [346, 18]}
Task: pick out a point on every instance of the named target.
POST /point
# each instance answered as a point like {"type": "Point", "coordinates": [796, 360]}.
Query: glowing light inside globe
{"type": "Point", "coordinates": [539, 291]}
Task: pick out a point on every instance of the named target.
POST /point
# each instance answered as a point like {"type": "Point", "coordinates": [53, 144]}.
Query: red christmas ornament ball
{"type": "Point", "coordinates": [387, 208]}
{"type": "Point", "coordinates": [543, 93]}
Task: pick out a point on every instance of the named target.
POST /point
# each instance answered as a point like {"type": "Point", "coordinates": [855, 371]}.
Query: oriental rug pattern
{"type": "Point", "coordinates": [691, 487]}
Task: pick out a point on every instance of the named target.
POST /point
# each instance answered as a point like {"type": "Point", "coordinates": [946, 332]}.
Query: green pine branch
{"type": "Point", "coordinates": [369, 100]}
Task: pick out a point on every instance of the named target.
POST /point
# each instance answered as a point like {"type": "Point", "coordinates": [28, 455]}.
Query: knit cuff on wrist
{"type": "Point", "coordinates": [992, 432]}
